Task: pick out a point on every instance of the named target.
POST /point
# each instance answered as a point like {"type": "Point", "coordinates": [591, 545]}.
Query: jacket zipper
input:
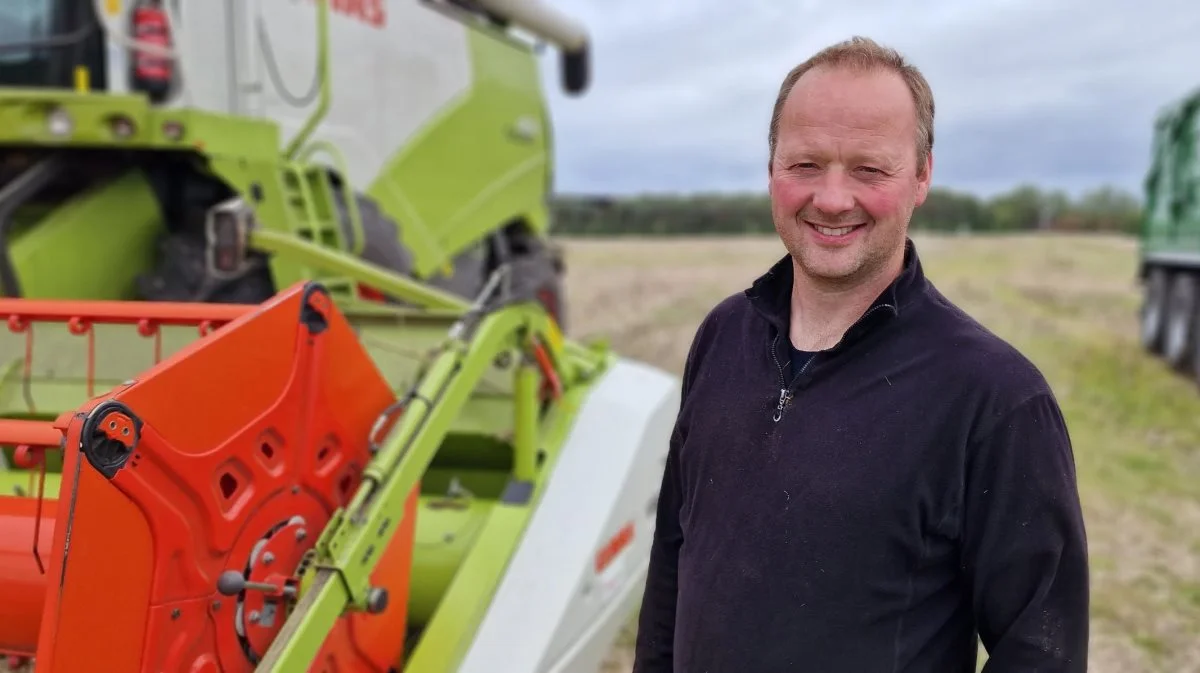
{"type": "Point", "coordinates": [786, 391]}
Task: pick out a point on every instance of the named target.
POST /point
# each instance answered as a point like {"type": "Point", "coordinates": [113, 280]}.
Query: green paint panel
{"type": "Point", "coordinates": [447, 530]}
{"type": "Point", "coordinates": [479, 164]}
{"type": "Point", "coordinates": [91, 246]}
{"type": "Point", "coordinates": [444, 641]}
{"type": "Point", "coordinates": [26, 114]}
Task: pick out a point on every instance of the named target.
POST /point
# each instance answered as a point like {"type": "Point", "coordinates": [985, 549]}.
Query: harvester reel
{"type": "Point", "coordinates": [216, 501]}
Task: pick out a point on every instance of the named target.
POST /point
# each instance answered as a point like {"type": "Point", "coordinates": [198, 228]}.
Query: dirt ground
{"type": "Point", "coordinates": [1070, 303]}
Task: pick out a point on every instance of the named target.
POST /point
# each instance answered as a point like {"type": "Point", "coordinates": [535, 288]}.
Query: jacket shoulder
{"type": "Point", "coordinates": [719, 323]}
{"type": "Point", "coordinates": [980, 363]}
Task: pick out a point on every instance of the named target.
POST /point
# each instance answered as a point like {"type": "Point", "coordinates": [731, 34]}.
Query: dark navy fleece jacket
{"type": "Point", "coordinates": [915, 488]}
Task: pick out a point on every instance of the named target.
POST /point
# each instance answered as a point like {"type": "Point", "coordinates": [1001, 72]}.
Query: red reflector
{"type": "Point", "coordinates": [614, 546]}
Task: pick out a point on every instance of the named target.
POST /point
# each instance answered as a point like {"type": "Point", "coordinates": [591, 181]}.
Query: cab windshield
{"type": "Point", "coordinates": [43, 41]}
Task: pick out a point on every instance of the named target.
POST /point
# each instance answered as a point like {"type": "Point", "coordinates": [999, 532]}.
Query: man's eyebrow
{"type": "Point", "coordinates": [870, 156]}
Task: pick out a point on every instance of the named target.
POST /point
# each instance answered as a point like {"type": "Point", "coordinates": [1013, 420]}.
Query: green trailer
{"type": "Point", "coordinates": [1169, 261]}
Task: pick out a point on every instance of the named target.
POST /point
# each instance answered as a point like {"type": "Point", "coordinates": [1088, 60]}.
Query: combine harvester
{"type": "Point", "coordinates": [285, 386]}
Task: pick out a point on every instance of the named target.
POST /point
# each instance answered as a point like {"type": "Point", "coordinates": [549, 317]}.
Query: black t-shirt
{"type": "Point", "coordinates": [799, 359]}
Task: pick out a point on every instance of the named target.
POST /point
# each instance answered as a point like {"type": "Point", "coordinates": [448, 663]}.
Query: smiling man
{"type": "Point", "coordinates": [861, 477]}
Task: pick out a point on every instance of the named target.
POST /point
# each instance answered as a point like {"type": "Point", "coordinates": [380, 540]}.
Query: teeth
{"type": "Point", "coordinates": [841, 231]}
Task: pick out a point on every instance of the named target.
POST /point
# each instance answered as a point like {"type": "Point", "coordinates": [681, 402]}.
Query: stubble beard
{"type": "Point", "coordinates": [847, 268]}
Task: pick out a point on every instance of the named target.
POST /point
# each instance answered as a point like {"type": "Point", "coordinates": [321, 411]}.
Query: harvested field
{"type": "Point", "coordinates": [1070, 304]}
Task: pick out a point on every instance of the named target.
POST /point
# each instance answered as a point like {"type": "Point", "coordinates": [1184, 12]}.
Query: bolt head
{"type": "Point", "coordinates": [377, 600]}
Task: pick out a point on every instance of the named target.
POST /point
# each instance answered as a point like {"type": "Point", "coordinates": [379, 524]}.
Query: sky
{"type": "Point", "coordinates": [1059, 93]}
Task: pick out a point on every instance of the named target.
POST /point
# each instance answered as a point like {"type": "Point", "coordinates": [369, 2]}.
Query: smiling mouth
{"type": "Point", "coordinates": [834, 231]}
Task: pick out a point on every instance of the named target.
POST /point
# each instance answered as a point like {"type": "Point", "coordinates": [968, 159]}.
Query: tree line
{"type": "Point", "coordinates": [1025, 208]}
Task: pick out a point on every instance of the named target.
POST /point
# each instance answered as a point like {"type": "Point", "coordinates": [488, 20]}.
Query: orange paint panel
{"type": "Point", "coordinates": [100, 606]}
{"type": "Point", "coordinates": [22, 584]}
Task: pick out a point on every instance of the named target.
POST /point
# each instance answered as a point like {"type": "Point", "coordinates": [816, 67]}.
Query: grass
{"type": "Point", "coordinates": [1070, 304]}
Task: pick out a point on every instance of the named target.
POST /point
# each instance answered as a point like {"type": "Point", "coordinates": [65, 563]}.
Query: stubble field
{"type": "Point", "coordinates": [1070, 303]}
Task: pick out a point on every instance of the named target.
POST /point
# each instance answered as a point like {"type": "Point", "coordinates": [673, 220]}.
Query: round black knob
{"type": "Point", "coordinates": [231, 583]}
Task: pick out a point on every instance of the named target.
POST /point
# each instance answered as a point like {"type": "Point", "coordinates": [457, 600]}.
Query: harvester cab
{"type": "Point", "coordinates": [286, 382]}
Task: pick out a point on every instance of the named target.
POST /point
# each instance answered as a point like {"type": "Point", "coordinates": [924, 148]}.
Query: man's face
{"type": "Point", "coordinates": [844, 179]}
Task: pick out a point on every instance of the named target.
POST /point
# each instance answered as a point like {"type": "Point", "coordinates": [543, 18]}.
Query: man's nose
{"type": "Point", "coordinates": [832, 194]}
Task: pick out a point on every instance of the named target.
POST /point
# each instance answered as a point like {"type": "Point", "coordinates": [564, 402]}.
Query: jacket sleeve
{"type": "Point", "coordinates": [1024, 543]}
{"type": "Point", "coordinates": [653, 650]}
{"type": "Point", "coordinates": [656, 623]}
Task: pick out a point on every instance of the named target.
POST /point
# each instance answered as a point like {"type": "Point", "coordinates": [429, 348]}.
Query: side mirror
{"type": "Point", "coordinates": [576, 67]}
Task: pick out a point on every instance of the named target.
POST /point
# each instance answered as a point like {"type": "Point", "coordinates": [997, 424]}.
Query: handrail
{"type": "Point", "coordinates": [323, 100]}
{"type": "Point", "coordinates": [358, 234]}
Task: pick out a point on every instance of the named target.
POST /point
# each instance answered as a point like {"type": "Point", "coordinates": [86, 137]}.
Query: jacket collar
{"type": "Point", "coordinates": [771, 294]}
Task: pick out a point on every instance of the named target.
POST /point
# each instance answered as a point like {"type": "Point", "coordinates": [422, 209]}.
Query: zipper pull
{"type": "Point", "coordinates": [784, 397]}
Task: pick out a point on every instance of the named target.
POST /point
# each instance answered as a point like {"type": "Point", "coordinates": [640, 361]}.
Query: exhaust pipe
{"type": "Point", "coordinates": [555, 27]}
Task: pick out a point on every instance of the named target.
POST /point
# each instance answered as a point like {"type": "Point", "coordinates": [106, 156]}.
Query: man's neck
{"type": "Point", "coordinates": [821, 313]}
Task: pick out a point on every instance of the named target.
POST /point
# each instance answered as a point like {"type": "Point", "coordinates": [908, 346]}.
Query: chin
{"type": "Point", "coordinates": [830, 263]}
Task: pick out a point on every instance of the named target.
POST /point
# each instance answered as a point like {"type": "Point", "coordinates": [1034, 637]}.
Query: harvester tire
{"type": "Point", "coordinates": [381, 235]}
{"type": "Point", "coordinates": [468, 274]}
{"type": "Point", "coordinates": [382, 246]}
{"type": "Point", "coordinates": [1193, 368]}
{"type": "Point", "coordinates": [1180, 317]}
{"type": "Point", "coordinates": [180, 275]}
{"type": "Point", "coordinates": [1154, 310]}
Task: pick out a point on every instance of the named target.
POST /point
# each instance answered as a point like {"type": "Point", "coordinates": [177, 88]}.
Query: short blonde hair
{"type": "Point", "coordinates": [864, 54]}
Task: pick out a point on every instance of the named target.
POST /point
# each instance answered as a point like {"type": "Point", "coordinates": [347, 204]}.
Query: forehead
{"type": "Point", "coordinates": [871, 105]}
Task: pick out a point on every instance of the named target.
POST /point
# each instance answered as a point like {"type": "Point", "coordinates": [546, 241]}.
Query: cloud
{"type": "Point", "coordinates": [1062, 93]}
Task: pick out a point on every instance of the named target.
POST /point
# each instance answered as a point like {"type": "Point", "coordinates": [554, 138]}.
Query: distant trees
{"type": "Point", "coordinates": [1025, 208]}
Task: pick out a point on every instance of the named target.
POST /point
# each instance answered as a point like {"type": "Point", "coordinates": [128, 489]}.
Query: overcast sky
{"type": "Point", "coordinates": [1057, 92]}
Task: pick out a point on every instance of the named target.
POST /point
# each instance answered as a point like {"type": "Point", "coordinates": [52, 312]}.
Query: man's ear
{"type": "Point", "coordinates": [924, 181]}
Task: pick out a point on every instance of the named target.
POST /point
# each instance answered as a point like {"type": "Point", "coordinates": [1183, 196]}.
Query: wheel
{"type": "Point", "coordinates": [382, 246]}
{"type": "Point", "coordinates": [1194, 349]}
{"type": "Point", "coordinates": [381, 235]}
{"type": "Point", "coordinates": [1180, 317]}
{"type": "Point", "coordinates": [1153, 310]}
{"type": "Point", "coordinates": [180, 275]}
